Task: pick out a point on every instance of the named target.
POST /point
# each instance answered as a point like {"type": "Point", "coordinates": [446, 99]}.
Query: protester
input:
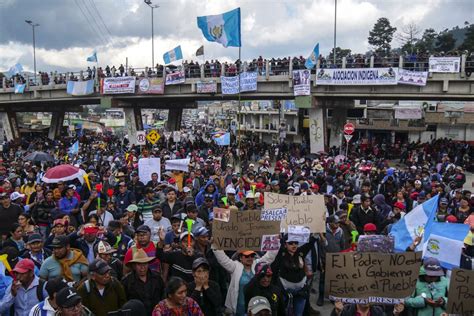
{"type": "Point", "coordinates": [203, 290]}
{"type": "Point", "coordinates": [70, 303]}
{"type": "Point", "coordinates": [177, 302]}
{"type": "Point", "coordinates": [49, 306]}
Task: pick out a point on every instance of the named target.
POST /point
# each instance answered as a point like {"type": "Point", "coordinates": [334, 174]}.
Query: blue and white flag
{"type": "Point", "coordinates": [173, 55]}
{"type": "Point", "coordinates": [80, 87]}
{"type": "Point", "coordinates": [222, 139]}
{"type": "Point", "coordinates": [222, 28]}
{"type": "Point", "coordinates": [413, 224]}
{"type": "Point", "coordinates": [445, 241]}
{"type": "Point", "coordinates": [312, 60]}
{"type": "Point", "coordinates": [92, 58]}
{"type": "Point", "coordinates": [74, 149]}
{"type": "Point", "coordinates": [20, 88]}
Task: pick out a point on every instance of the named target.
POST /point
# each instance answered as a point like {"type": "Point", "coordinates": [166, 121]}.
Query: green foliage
{"type": "Point", "coordinates": [381, 36]}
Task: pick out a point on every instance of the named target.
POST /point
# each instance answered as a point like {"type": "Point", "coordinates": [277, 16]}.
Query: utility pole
{"type": "Point", "coordinates": [33, 25]}
{"type": "Point", "coordinates": [152, 6]}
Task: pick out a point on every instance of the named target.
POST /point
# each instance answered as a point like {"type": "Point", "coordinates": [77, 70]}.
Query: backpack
{"type": "Point", "coordinates": [39, 290]}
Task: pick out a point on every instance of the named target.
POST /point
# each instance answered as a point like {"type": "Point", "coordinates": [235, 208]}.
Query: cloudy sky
{"type": "Point", "coordinates": [71, 30]}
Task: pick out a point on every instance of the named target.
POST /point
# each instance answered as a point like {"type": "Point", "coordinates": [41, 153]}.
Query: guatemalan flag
{"type": "Point", "coordinates": [80, 87]}
{"type": "Point", "coordinates": [92, 58]}
{"type": "Point", "coordinates": [222, 28]}
{"type": "Point", "coordinates": [222, 139]}
{"type": "Point", "coordinates": [20, 88]}
{"type": "Point", "coordinates": [173, 55]}
{"type": "Point", "coordinates": [312, 60]}
{"type": "Point", "coordinates": [74, 149]}
{"type": "Point", "coordinates": [445, 241]}
{"type": "Point", "coordinates": [413, 224]}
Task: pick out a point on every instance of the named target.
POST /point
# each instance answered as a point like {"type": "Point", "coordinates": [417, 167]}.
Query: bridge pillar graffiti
{"type": "Point", "coordinates": [57, 121]}
{"type": "Point", "coordinates": [10, 125]}
{"type": "Point", "coordinates": [133, 123]}
{"type": "Point", "coordinates": [174, 119]}
{"type": "Point", "coordinates": [317, 129]}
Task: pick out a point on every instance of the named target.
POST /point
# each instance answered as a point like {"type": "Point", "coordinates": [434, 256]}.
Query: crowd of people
{"type": "Point", "coordinates": [416, 61]}
{"type": "Point", "coordinates": [116, 244]}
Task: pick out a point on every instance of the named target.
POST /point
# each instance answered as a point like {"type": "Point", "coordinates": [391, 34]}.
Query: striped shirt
{"type": "Point", "coordinates": [145, 208]}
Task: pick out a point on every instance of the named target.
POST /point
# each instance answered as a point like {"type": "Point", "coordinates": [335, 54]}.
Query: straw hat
{"type": "Point", "coordinates": [140, 256]}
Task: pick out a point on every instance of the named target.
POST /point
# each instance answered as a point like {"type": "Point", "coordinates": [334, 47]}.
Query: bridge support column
{"type": "Point", "coordinates": [317, 129]}
{"type": "Point", "coordinates": [10, 125]}
{"type": "Point", "coordinates": [174, 119]}
{"type": "Point", "coordinates": [133, 122]}
{"type": "Point", "coordinates": [339, 118]}
{"type": "Point", "coordinates": [57, 121]}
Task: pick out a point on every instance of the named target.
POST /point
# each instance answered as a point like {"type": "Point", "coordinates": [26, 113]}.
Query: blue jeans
{"type": "Point", "coordinates": [298, 302]}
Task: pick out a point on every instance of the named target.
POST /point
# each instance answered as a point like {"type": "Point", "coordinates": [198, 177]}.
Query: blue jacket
{"type": "Point", "coordinates": [200, 196]}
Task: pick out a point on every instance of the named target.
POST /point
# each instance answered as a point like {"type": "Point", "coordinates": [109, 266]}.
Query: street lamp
{"type": "Point", "coordinates": [33, 25]}
{"type": "Point", "coordinates": [152, 6]}
{"type": "Point", "coordinates": [335, 22]}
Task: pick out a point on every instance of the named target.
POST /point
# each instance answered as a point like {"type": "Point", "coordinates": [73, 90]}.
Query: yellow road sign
{"type": "Point", "coordinates": [153, 137]}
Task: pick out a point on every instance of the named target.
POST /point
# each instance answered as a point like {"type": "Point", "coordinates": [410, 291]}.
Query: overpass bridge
{"type": "Point", "coordinates": [270, 86]}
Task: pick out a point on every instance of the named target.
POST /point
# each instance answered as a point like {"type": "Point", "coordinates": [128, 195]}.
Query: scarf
{"type": "Point", "coordinates": [66, 263]}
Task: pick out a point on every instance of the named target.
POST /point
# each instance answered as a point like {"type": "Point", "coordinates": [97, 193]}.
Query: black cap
{"type": "Point", "coordinates": [34, 238]}
{"type": "Point", "coordinates": [143, 229]}
{"type": "Point", "coordinates": [60, 241]}
{"type": "Point", "coordinates": [67, 297]}
{"type": "Point", "coordinates": [199, 262]}
{"type": "Point", "coordinates": [99, 266]}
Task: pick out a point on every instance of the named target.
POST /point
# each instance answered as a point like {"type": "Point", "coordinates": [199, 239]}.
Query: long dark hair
{"type": "Point", "coordinates": [173, 285]}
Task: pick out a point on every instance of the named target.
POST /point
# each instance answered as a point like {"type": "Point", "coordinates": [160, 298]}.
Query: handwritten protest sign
{"type": "Point", "coordinates": [371, 277]}
{"type": "Point", "coordinates": [461, 292]}
{"type": "Point", "coordinates": [274, 214]}
{"type": "Point", "coordinates": [147, 166]}
{"type": "Point", "coordinates": [270, 242]}
{"type": "Point", "coordinates": [243, 231]}
{"type": "Point", "coordinates": [221, 214]}
{"type": "Point", "coordinates": [303, 210]}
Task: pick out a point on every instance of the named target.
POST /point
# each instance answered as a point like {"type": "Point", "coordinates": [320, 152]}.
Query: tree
{"type": "Point", "coordinates": [381, 36]}
{"type": "Point", "coordinates": [445, 42]}
{"type": "Point", "coordinates": [340, 52]}
{"type": "Point", "coordinates": [408, 36]}
{"type": "Point", "coordinates": [427, 42]}
{"type": "Point", "coordinates": [468, 43]}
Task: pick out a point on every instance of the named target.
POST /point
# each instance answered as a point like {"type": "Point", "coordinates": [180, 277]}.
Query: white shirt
{"type": "Point", "coordinates": [105, 218]}
{"type": "Point", "coordinates": [155, 226]}
{"type": "Point", "coordinates": [36, 311]}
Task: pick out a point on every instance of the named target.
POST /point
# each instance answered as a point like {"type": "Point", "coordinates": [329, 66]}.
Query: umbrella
{"type": "Point", "coordinates": [39, 156]}
{"type": "Point", "coordinates": [63, 173]}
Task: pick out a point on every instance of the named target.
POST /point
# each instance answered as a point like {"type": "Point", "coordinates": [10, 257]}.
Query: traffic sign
{"type": "Point", "coordinates": [153, 136]}
{"type": "Point", "coordinates": [348, 137]}
{"type": "Point", "coordinates": [349, 128]}
{"type": "Point", "coordinates": [141, 138]}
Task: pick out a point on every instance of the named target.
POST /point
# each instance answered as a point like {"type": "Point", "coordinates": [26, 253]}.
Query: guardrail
{"type": "Point", "coordinates": [266, 68]}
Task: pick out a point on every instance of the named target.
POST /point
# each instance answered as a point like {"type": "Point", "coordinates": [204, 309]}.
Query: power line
{"type": "Point", "coordinates": [100, 17]}
{"type": "Point", "coordinates": [89, 23]}
{"type": "Point", "coordinates": [97, 26]}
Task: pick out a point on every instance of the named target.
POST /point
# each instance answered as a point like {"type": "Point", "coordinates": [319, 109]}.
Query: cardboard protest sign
{"type": "Point", "coordinates": [371, 277]}
{"type": "Point", "coordinates": [244, 230]}
{"type": "Point", "coordinates": [147, 166]}
{"type": "Point", "coordinates": [303, 210]}
{"type": "Point", "coordinates": [461, 292]}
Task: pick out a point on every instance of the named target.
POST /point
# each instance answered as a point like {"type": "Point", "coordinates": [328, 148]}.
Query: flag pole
{"type": "Point", "coordinates": [240, 107]}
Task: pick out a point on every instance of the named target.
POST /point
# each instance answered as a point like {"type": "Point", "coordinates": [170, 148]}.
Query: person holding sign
{"type": "Point", "coordinates": [241, 271]}
{"type": "Point", "coordinates": [291, 270]}
{"type": "Point", "coordinates": [430, 296]}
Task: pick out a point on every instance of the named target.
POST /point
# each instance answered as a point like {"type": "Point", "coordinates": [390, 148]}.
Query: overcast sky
{"type": "Point", "coordinates": [71, 30]}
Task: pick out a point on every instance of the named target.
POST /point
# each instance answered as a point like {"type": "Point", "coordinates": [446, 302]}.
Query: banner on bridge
{"type": "Point", "coordinates": [357, 76]}
{"type": "Point", "coordinates": [416, 78]}
{"type": "Point", "coordinates": [206, 87]}
{"type": "Point", "coordinates": [151, 86]}
{"type": "Point", "coordinates": [118, 85]}
{"type": "Point", "coordinates": [176, 77]}
{"type": "Point", "coordinates": [80, 87]}
{"type": "Point", "coordinates": [408, 113]}
{"type": "Point", "coordinates": [445, 64]}
{"type": "Point", "coordinates": [301, 82]}
{"type": "Point", "coordinates": [248, 82]}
